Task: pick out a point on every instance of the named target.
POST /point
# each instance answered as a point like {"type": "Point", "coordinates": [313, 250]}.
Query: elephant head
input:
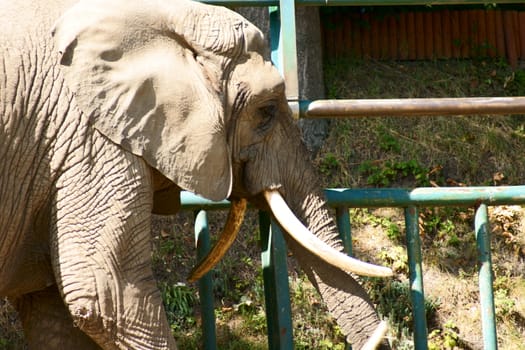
{"type": "Point", "coordinates": [186, 87]}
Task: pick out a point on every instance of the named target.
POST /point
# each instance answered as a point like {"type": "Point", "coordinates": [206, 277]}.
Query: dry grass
{"type": "Point", "coordinates": [444, 151]}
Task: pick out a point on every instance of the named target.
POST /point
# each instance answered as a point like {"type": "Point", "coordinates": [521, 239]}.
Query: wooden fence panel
{"type": "Point", "coordinates": [426, 34]}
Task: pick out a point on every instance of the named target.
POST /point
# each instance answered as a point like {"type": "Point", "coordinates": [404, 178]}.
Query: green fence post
{"type": "Point", "coordinates": [345, 232]}
{"type": "Point", "coordinates": [416, 277]}
{"type": "Point", "coordinates": [202, 239]}
{"type": "Point", "coordinates": [486, 293]}
{"type": "Point", "coordinates": [345, 228]}
{"type": "Point", "coordinates": [283, 44]}
{"type": "Point", "coordinates": [276, 289]}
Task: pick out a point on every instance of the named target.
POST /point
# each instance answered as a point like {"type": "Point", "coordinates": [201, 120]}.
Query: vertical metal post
{"type": "Point", "coordinates": [345, 228]}
{"type": "Point", "coordinates": [345, 232]}
{"type": "Point", "coordinates": [284, 48]}
{"type": "Point", "coordinates": [486, 293]}
{"type": "Point", "coordinates": [276, 289]}
{"type": "Point", "coordinates": [275, 37]}
{"type": "Point", "coordinates": [416, 277]}
{"type": "Point", "coordinates": [202, 239]}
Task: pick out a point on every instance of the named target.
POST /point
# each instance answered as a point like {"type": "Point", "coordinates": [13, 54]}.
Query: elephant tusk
{"type": "Point", "coordinates": [377, 337]}
{"type": "Point", "coordinates": [226, 238]}
{"type": "Point", "coordinates": [312, 243]}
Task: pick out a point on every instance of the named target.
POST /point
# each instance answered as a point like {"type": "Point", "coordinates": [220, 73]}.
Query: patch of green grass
{"type": "Point", "coordinates": [392, 298]}
{"type": "Point", "coordinates": [329, 164]}
{"type": "Point", "coordinates": [313, 327]}
{"type": "Point", "coordinates": [387, 141]}
{"type": "Point", "coordinates": [363, 216]}
{"type": "Point", "coordinates": [396, 257]}
{"type": "Point", "coordinates": [445, 338]}
{"type": "Point", "coordinates": [387, 173]}
{"type": "Point", "coordinates": [466, 149]}
{"type": "Point", "coordinates": [179, 301]}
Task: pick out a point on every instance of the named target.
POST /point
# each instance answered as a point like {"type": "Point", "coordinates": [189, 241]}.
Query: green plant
{"type": "Point", "coordinates": [396, 257]}
{"type": "Point", "coordinates": [384, 174]}
{"type": "Point", "coordinates": [313, 327]}
{"type": "Point", "coordinates": [393, 302]}
{"type": "Point", "coordinates": [503, 303]}
{"type": "Point", "coordinates": [329, 164]}
{"type": "Point", "coordinates": [387, 142]}
{"type": "Point", "coordinates": [179, 300]}
{"type": "Point", "coordinates": [362, 216]}
{"type": "Point", "coordinates": [446, 338]}
{"type": "Point", "coordinates": [447, 225]}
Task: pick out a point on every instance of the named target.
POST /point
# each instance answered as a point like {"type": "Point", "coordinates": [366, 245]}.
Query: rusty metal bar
{"type": "Point", "coordinates": [412, 107]}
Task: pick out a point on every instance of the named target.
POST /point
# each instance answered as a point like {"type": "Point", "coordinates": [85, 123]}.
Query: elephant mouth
{"type": "Point", "coordinates": [295, 229]}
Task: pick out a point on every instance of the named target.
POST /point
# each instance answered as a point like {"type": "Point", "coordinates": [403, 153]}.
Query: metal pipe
{"type": "Point", "coordinates": [425, 196]}
{"type": "Point", "coordinates": [394, 197]}
{"type": "Point", "coordinates": [202, 239]}
{"type": "Point", "coordinates": [284, 45]}
{"type": "Point", "coordinates": [240, 3]}
{"type": "Point", "coordinates": [276, 288]}
{"type": "Point", "coordinates": [415, 262]}
{"type": "Point", "coordinates": [190, 201]}
{"type": "Point", "coordinates": [345, 228]}
{"type": "Point", "coordinates": [486, 293]}
{"type": "Point", "coordinates": [412, 107]}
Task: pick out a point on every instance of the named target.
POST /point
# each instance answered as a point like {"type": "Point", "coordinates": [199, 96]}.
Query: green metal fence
{"type": "Point", "coordinates": [280, 334]}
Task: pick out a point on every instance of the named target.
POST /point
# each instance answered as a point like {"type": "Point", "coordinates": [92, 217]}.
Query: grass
{"type": "Point", "coordinates": [376, 152]}
{"type": "Point", "coordinates": [466, 149]}
{"type": "Point", "coordinates": [433, 151]}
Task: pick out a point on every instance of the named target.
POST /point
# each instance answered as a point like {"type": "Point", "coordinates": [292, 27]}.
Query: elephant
{"type": "Point", "coordinates": [109, 108]}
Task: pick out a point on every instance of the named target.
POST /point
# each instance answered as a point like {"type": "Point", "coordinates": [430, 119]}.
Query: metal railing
{"type": "Point", "coordinates": [280, 334]}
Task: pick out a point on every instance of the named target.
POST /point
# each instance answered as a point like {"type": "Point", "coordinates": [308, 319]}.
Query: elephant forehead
{"type": "Point", "coordinates": [259, 76]}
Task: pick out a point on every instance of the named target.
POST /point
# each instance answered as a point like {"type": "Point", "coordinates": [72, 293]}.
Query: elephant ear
{"type": "Point", "coordinates": [150, 76]}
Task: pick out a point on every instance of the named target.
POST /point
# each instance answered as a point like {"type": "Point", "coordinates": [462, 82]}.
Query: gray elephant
{"type": "Point", "coordinates": [108, 109]}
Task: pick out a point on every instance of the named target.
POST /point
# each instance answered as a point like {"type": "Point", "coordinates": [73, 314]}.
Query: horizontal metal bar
{"type": "Point", "coordinates": [396, 197]}
{"type": "Point", "coordinates": [190, 201]}
{"type": "Point", "coordinates": [426, 196]}
{"type": "Point", "coordinates": [240, 3]}
{"type": "Point", "coordinates": [412, 107]}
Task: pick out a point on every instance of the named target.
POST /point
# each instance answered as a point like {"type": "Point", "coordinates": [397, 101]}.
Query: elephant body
{"type": "Point", "coordinates": [33, 149]}
{"type": "Point", "coordinates": [60, 175]}
{"type": "Point", "coordinates": [108, 109]}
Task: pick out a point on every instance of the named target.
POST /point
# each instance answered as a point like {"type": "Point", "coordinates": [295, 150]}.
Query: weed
{"type": "Point", "coordinates": [329, 164]}
{"type": "Point", "coordinates": [446, 338]}
{"type": "Point", "coordinates": [503, 304]}
{"type": "Point", "coordinates": [313, 327]}
{"type": "Point", "coordinates": [385, 174]}
{"type": "Point", "coordinates": [396, 257]}
{"type": "Point", "coordinates": [393, 302]}
{"type": "Point", "coordinates": [179, 300]}
{"type": "Point", "coordinates": [362, 216]}
{"type": "Point", "coordinates": [387, 142]}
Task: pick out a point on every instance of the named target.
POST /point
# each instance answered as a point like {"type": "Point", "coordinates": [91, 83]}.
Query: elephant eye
{"type": "Point", "coordinates": [267, 115]}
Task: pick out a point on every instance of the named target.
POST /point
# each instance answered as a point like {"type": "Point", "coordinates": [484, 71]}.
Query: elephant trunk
{"type": "Point", "coordinates": [345, 298]}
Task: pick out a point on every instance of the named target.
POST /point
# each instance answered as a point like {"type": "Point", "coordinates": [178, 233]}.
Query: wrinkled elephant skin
{"type": "Point", "coordinates": [108, 109]}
